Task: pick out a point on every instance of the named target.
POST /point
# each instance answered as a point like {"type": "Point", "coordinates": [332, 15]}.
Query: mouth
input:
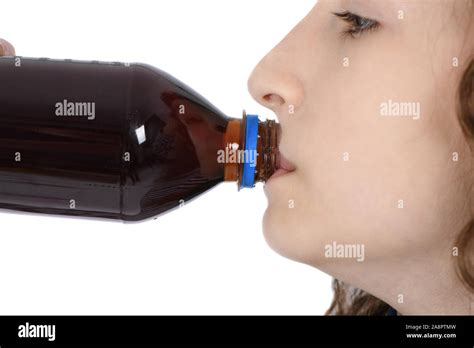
{"type": "Point", "coordinates": [284, 167]}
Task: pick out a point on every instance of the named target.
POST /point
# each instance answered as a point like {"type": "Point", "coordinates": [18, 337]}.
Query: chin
{"type": "Point", "coordinates": [287, 238]}
{"type": "Point", "coordinates": [271, 228]}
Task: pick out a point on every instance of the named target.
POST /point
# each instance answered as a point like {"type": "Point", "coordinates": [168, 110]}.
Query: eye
{"type": "Point", "coordinates": [356, 24]}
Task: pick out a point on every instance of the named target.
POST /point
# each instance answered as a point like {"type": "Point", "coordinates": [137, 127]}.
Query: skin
{"type": "Point", "coordinates": [6, 48]}
{"type": "Point", "coordinates": [409, 250]}
{"type": "Point", "coordinates": [328, 110]}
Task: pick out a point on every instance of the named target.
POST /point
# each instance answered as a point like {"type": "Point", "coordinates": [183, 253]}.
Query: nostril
{"type": "Point", "coordinates": [273, 99]}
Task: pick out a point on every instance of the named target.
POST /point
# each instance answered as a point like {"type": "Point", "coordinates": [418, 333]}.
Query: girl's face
{"type": "Point", "coordinates": [366, 101]}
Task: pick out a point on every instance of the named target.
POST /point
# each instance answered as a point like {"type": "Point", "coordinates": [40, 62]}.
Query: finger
{"type": "Point", "coordinates": [6, 48]}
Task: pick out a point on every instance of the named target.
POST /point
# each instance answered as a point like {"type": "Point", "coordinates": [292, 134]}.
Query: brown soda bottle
{"type": "Point", "coordinates": [117, 140]}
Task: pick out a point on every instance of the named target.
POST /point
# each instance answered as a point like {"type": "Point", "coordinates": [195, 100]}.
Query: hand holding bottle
{"type": "Point", "coordinates": [6, 48]}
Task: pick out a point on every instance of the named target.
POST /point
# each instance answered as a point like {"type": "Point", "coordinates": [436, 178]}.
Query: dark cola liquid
{"type": "Point", "coordinates": [103, 140]}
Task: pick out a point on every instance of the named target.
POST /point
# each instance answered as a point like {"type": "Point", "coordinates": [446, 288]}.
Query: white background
{"type": "Point", "coordinates": [208, 257]}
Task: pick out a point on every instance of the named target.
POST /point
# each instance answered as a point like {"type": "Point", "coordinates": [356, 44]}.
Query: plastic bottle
{"type": "Point", "coordinates": [116, 140]}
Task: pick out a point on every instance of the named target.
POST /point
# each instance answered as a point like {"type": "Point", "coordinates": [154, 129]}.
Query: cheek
{"type": "Point", "coordinates": [391, 206]}
{"type": "Point", "coordinates": [388, 195]}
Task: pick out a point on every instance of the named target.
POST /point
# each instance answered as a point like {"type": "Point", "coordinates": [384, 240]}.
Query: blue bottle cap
{"type": "Point", "coordinates": [249, 167]}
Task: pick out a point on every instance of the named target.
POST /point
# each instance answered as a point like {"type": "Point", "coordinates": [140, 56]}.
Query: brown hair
{"type": "Point", "coordinates": [351, 301]}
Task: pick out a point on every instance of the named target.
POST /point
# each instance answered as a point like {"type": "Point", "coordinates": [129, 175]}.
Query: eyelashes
{"type": "Point", "coordinates": [356, 25]}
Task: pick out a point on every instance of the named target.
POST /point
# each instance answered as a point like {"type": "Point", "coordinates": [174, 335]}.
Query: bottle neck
{"type": "Point", "coordinates": [268, 159]}
{"type": "Point", "coordinates": [252, 148]}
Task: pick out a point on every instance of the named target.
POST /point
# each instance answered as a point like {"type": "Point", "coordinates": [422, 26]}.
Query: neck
{"type": "Point", "coordinates": [425, 285]}
{"type": "Point", "coordinates": [428, 286]}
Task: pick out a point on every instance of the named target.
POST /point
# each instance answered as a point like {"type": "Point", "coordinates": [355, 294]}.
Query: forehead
{"type": "Point", "coordinates": [387, 4]}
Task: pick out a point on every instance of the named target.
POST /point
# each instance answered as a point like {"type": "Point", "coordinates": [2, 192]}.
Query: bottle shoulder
{"type": "Point", "coordinates": [173, 136]}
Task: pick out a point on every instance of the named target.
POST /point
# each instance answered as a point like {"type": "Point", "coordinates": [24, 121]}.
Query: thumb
{"type": "Point", "coordinates": [6, 48]}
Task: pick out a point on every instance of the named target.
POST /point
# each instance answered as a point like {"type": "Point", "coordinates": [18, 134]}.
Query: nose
{"type": "Point", "coordinates": [275, 83]}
